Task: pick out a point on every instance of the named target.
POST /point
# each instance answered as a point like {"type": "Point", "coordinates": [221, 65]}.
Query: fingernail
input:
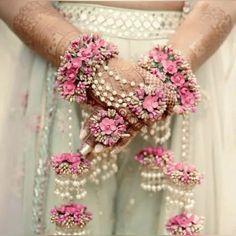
{"type": "Point", "coordinates": [83, 133]}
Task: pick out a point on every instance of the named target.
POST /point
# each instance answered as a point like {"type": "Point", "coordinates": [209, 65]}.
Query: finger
{"type": "Point", "coordinates": [104, 130]}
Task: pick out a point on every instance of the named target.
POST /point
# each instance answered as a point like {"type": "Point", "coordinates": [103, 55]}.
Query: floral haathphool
{"type": "Point", "coordinates": [80, 64]}
{"type": "Point", "coordinates": [170, 67]}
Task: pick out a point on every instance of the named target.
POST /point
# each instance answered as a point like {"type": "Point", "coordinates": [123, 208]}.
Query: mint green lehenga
{"type": "Point", "coordinates": [119, 205]}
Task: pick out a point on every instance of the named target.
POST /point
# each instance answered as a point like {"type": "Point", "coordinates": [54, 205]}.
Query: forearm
{"type": "Point", "coordinates": [40, 26]}
{"type": "Point", "coordinates": [204, 30]}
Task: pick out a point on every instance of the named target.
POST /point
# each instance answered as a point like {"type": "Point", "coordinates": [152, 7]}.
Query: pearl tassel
{"type": "Point", "coordinates": [185, 138]}
{"type": "Point", "coordinates": [160, 131]}
{"type": "Point", "coordinates": [103, 167]}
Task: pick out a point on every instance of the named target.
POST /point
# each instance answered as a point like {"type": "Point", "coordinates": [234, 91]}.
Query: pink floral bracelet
{"type": "Point", "coordinates": [80, 64]}
{"type": "Point", "coordinates": [169, 66]}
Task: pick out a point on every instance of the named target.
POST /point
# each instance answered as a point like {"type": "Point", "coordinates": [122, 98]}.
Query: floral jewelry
{"type": "Point", "coordinates": [80, 64]}
{"type": "Point", "coordinates": [181, 178]}
{"type": "Point", "coordinates": [103, 166]}
{"type": "Point", "coordinates": [185, 224]}
{"type": "Point", "coordinates": [107, 127]}
{"type": "Point", "coordinates": [171, 68]}
{"type": "Point", "coordinates": [159, 172]}
{"type": "Point", "coordinates": [70, 170]}
{"type": "Point", "coordinates": [149, 103]}
{"type": "Point", "coordinates": [71, 219]}
{"type": "Point", "coordinates": [183, 175]}
{"type": "Point", "coordinates": [152, 161]}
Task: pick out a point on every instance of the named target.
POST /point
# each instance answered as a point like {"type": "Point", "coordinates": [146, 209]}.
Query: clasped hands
{"type": "Point", "coordinates": [121, 96]}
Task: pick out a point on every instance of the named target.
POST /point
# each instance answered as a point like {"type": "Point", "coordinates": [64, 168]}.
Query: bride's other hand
{"type": "Point", "coordinates": [40, 26]}
{"type": "Point", "coordinates": [204, 30]}
{"type": "Point", "coordinates": [113, 124]}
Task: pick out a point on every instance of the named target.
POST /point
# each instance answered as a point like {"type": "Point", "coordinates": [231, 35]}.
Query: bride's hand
{"type": "Point", "coordinates": [117, 113]}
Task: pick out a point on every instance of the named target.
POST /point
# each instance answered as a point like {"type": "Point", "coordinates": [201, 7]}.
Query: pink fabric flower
{"type": "Point", "coordinates": [184, 220]}
{"type": "Point", "coordinates": [156, 157]}
{"type": "Point", "coordinates": [185, 224]}
{"type": "Point", "coordinates": [148, 105]}
{"type": "Point", "coordinates": [71, 215]}
{"type": "Point", "coordinates": [69, 88]}
{"type": "Point", "coordinates": [70, 164]}
{"type": "Point", "coordinates": [178, 79]}
{"type": "Point", "coordinates": [76, 62]}
{"type": "Point", "coordinates": [158, 55]}
{"type": "Point", "coordinates": [85, 54]}
{"type": "Point", "coordinates": [70, 72]}
{"type": "Point", "coordinates": [169, 67]}
{"type": "Point", "coordinates": [108, 126]}
{"type": "Point", "coordinates": [187, 98]}
{"type": "Point", "coordinates": [183, 174]}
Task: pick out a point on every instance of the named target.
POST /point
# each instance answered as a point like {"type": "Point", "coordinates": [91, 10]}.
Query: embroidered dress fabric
{"type": "Point", "coordinates": [34, 125]}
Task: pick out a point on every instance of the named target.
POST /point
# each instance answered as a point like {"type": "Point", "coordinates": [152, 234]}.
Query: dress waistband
{"type": "Point", "coordinates": [120, 22]}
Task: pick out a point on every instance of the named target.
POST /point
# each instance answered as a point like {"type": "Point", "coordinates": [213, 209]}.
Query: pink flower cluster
{"type": "Point", "coordinates": [185, 224]}
{"type": "Point", "coordinates": [78, 65]}
{"type": "Point", "coordinates": [179, 174]}
{"type": "Point", "coordinates": [107, 127]}
{"type": "Point", "coordinates": [71, 215]}
{"type": "Point", "coordinates": [70, 164]}
{"type": "Point", "coordinates": [183, 174]}
{"type": "Point", "coordinates": [170, 67]}
{"type": "Point", "coordinates": [156, 157]}
{"type": "Point", "coordinates": [149, 104]}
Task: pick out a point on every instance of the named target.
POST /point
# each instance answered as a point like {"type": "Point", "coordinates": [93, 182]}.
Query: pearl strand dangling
{"type": "Point", "coordinates": [185, 145]}
{"type": "Point", "coordinates": [70, 186]}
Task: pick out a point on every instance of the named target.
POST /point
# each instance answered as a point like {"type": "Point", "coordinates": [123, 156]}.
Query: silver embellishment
{"type": "Point", "coordinates": [41, 177]}
{"type": "Point", "coordinates": [131, 24]}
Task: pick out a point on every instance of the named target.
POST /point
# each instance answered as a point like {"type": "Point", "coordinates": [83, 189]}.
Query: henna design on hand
{"type": "Point", "coordinates": [44, 30]}
{"type": "Point", "coordinates": [216, 25]}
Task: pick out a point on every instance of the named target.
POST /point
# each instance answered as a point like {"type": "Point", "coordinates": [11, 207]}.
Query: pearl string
{"type": "Point", "coordinates": [160, 131]}
{"type": "Point", "coordinates": [185, 138]}
{"type": "Point", "coordinates": [70, 126]}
